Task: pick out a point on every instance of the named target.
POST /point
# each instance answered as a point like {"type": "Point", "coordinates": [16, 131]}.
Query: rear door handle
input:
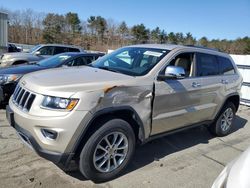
{"type": "Point", "coordinates": [196, 84]}
{"type": "Point", "coordinates": [224, 81]}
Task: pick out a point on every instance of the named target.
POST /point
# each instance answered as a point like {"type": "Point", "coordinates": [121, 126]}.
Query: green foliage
{"type": "Point", "coordinates": [53, 25]}
{"type": "Point", "coordinates": [123, 29]}
{"type": "Point", "coordinates": [98, 33]}
{"type": "Point", "coordinates": [98, 26]}
{"type": "Point", "coordinates": [140, 33]}
{"type": "Point", "coordinates": [73, 22]}
{"type": "Point", "coordinates": [156, 35]}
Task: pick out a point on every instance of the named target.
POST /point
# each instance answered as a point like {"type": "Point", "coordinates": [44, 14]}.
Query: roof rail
{"type": "Point", "coordinates": [203, 47]}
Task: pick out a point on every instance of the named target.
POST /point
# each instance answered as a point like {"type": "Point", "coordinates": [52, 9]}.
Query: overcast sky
{"type": "Point", "coordinates": [215, 19]}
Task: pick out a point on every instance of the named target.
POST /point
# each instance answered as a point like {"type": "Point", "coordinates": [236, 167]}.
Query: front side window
{"type": "Point", "coordinates": [207, 65]}
{"type": "Point", "coordinates": [134, 61]}
{"type": "Point", "coordinates": [54, 61]}
{"type": "Point", "coordinates": [46, 50]}
{"type": "Point", "coordinates": [34, 49]}
{"type": "Point", "coordinates": [186, 61]}
{"type": "Point", "coordinates": [226, 66]}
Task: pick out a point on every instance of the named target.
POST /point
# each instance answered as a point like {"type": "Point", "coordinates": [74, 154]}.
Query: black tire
{"type": "Point", "coordinates": [216, 127]}
{"type": "Point", "coordinates": [86, 162]}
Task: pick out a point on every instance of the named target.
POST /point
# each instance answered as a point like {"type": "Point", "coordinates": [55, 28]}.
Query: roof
{"type": "Point", "coordinates": [64, 45]}
{"type": "Point", "coordinates": [175, 46]}
{"type": "Point", "coordinates": [80, 53]}
{"type": "Point", "coordinates": [161, 46]}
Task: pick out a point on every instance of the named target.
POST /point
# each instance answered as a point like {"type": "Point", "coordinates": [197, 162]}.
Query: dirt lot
{"type": "Point", "coordinates": [192, 158]}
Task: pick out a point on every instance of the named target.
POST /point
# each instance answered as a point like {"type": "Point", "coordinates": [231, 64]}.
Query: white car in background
{"type": "Point", "coordinates": [236, 173]}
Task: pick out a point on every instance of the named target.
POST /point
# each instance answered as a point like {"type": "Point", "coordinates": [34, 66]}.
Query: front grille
{"type": "Point", "coordinates": [23, 98]}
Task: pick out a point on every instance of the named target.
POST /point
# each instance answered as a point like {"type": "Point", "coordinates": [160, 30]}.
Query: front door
{"type": "Point", "coordinates": [177, 102]}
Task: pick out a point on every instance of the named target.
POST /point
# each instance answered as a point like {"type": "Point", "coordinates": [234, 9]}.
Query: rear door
{"type": "Point", "coordinates": [208, 69]}
{"type": "Point", "coordinates": [229, 76]}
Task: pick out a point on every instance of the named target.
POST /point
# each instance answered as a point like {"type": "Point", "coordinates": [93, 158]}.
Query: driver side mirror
{"type": "Point", "coordinates": [172, 72]}
{"type": "Point", "coordinates": [37, 53]}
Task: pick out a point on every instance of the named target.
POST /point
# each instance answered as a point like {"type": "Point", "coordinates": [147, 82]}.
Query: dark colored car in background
{"type": "Point", "coordinates": [10, 76]}
{"type": "Point", "coordinates": [13, 48]}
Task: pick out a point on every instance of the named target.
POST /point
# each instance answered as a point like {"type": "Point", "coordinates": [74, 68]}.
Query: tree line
{"type": "Point", "coordinates": [98, 33]}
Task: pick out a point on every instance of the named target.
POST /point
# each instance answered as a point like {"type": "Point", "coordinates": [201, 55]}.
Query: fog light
{"type": "Point", "coordinates": [50, 134]}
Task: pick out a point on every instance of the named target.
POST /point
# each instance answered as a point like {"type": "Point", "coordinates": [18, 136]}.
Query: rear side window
{"type": "Point", "coordinates": [73, 50]}
{"type": "Point", "coordinates": [207, 65]}
{"type": "Point", "coordinates": [59, 50]}
{"type": "Point", "coordinates": [79, 61]}
{"type": "Point", "coordinates": [226, 66]}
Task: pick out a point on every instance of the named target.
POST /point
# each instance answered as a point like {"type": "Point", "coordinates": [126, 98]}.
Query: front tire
{"type": "Point", "coordinates": [224, 122]}
{"type": "Point", "coordinates": [108, 151]}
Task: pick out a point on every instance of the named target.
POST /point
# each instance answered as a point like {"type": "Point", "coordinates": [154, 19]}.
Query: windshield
{"type": "Point", "coordinates": [132, 61]}
{"type": "Point", "coordinates": [34, 48]}
{"type": "Point", "coordinates": [54, 60]}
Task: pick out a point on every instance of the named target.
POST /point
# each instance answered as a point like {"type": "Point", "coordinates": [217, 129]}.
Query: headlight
{"type": "Point", "coordinates": [8, 78]}
{"type": "Point", "coordinates": [59, 103]}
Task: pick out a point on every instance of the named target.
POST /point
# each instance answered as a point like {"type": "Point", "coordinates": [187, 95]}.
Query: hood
{"type": "Point", "coordinates": [239, 173]}
{"type": "Point", "coordinates": [16, 55]}
{"type": "Point", "coordinates": [21, 69]}
{"type": "Point", "coordinates": [71, 80]}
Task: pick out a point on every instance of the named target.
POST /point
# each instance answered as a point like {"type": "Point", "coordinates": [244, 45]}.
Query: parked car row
{"type": "Point", "coordinates": [36, 54]}
{"type": "Point", "coordinates": [10, 76]}
{"type": "Point", "coordinates": [94, 115]}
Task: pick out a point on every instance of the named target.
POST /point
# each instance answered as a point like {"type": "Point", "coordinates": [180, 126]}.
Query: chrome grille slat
{"type": "Point", "coordinates": [26, 102]}
{"type": "Point", "coordinates": [17, 87]}
{"type": "Point", "coordinates": [18, 90]}
{"type": "Point", "coordinates": [23, 98]}
{"type": "Point", "coordinates": [19, 96]}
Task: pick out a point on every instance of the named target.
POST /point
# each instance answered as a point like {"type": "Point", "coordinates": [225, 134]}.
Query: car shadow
{"type": "Point", "coordinates": [159, 148]}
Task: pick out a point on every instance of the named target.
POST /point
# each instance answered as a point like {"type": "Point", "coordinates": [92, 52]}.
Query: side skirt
{"type": "Point", "coordinates": [204, 123]}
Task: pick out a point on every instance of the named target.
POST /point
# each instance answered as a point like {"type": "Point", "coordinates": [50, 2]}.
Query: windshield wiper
{"type": "Point", "coordinates": [109, 69]}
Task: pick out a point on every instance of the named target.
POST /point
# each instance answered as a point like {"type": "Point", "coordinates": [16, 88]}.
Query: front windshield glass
{"type": "Point", "coordinates": [34, 48]}
{"type": "Point", "coordinates": [54, 60]}
{"type": "Point", "coordinates": [134, 61]}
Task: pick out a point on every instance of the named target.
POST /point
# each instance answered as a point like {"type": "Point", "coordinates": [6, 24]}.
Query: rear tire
{"type": "Point", "coordinates": [108, 151]}
{"type": "Point", "coordinates": [224, 122]}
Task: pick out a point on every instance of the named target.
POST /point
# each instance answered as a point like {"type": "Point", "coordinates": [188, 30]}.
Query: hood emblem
{"type": "Point", "coordinates": [23, 83]}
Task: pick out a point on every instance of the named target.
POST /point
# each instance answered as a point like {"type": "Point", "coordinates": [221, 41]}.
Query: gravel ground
{"type": "Point", "coordinates": [190, 159]}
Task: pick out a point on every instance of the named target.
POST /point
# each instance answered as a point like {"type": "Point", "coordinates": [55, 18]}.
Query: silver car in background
{"type": "Point", "coordinates": [36, 54]}
{"type": "Point", "coordinates": [236, 173]}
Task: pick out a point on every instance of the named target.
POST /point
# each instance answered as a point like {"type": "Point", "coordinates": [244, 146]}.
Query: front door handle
{"type": "Point", "coordinates": [224, 81]}
{"type": "Point", "coordinates": [196, 84]}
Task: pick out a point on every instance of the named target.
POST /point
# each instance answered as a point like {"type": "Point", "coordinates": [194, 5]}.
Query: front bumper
{"type": "Point", "coordinates": [29, 128]}
{"type": "Point", "coordinates": [61, 159]}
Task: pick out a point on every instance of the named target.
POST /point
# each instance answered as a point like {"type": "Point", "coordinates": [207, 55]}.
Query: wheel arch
{"type": "Point", "coordinates": [126, 113]}
{"type": "Point", "coordinates": [234, 98]}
